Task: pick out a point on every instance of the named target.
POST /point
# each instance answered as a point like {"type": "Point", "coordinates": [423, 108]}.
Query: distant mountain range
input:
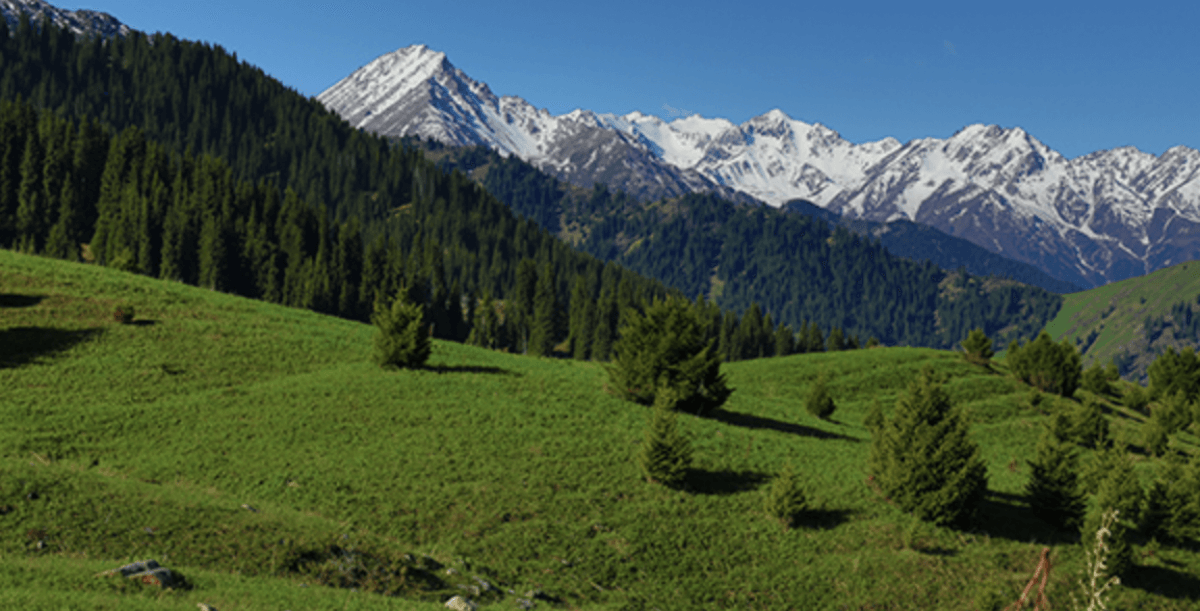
{"type": "Point", "coordinates": [1088, 221]}
{"type": "Point", "coordinates": [81, 22]}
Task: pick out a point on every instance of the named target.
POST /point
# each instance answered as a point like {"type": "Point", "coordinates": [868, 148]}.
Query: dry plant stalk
{"type": "Point", "coordinates": [1093, 590]}
{"type": "Point", "coordinates": [1040, 603]}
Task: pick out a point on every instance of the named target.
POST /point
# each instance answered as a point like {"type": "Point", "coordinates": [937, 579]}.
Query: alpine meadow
{"type": "Point", "coordinates": [299, 365]}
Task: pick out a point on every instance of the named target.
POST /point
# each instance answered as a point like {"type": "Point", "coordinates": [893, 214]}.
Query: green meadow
{"type": "Point", "coordinates": [256, 450]}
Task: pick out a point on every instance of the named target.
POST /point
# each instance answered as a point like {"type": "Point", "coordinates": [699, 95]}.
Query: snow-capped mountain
{"type": "Point", "coordinates": [81, 22]}
{"type": "Point", "coordinates": [1090, 220]}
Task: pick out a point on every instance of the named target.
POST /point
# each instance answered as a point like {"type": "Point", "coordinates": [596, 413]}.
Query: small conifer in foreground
{"type": "Point", "coordinates": [401, 340]}
{"type": "Point", "coordinates": [977, 347]}
{"type": "Point", "coordinates": [665, 455]}
{"type": "Point", "coordinates": [819, 403]}
{"type": "Point", "coordinates": [1121, 491]}
{"type": "Point", "coordinates": [1053, 487]}
{"type": "Point", "coordinates": [785, 499]}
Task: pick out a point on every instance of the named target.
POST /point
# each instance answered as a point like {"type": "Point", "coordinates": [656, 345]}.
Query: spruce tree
{"type": "Point", "coordinates": [819, 403]}
{"type": "Point", "coordinates": [1120, 490]}
{"type": "Point", "coordinates": [924, 459]}
{"type": "Point", "coordinates": [543, 329]}
{"type": "Point", "coordinates": [1173, 501]}
{"type": "Point", "coordinates": [665, 455]}
{"type": "Point", "coordinates": [977, 348]}
{"type": "Point", "coordinates": [667, 347]}
{"type": "Point", "coordinates": [785, 499]}
{"type": "Point", "coordinates": [401, 340]}
{"type": "Point", "coordinates": [1053, 486]}
{"type": "Point", "coordinates": [785, 340]}
{"type": "Point", "coordinates": [1089, 427]}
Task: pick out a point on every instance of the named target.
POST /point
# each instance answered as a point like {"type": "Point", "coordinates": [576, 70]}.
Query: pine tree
{"type": "Point", "coordinates": [977, 348]}
{"type": "Point", "coordinates": [665, 455]}
{"type": "Point", "coordinates": [1089, 427]}
{"type": "Point", "coordinates": [785, 499]}
{"type": "Point", "coordinates": [543, 329]}
{"type": "Point", "coordinates": [819, 403]}
{"type": "Point", "coordinates": [1053, 486]}
{"type": "Point", "coordinates": [924, 459]}
{"type": "Point", "coordinates": [1121, 491]}
{"type": "Point", "coordinates": [401, 340]}
{"type": "Point", "coordinates": [836, 341]}
{"type": "Point", "coordinates": [1173, 501]}
{"type": "Point", "coordinates": [785, 340]}
{"type": "Point", "coordinates": [667, 347]}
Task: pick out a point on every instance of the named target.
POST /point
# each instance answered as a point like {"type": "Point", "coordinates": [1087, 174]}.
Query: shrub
{"type": "Point", "coordinates": [401, 340]}
{"type": "Point", "coordinates": [124, 314]}
{"type": "Point", "coordinates": [665, 455]}
{"type": "Point", "coordinates": [785, 499]}
{"type": "Point", "coordinates": [1089, 427]}
{"type": "Point", "coordinates": [666, 347]}
{"type": "Point", "coordinates": [977, 348]}
{"type": "Point", "coordinates": [1048, 366]}
{"type": "Point", "coordinates": [1095, 379]}
{"type": "Point", "coordinates": [1136, 398]}
{"type": "Point", "coordinates": [819, 403]}
{"type": "Point", "coordinates": [924, 459]}
{"type": "Point", "coordinates": [1053, 486]}
{"type": "Point", "coordinates": [1173, 372]}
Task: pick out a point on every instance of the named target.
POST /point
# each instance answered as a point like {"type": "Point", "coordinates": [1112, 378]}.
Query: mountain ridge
{"type": "Point", "coordinates": [82, 22]}
{"type": "Point", "coordinates": [1094, 219]}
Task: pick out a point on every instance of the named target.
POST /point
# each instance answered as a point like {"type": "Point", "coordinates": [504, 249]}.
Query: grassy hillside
{"type": "Point", "coordinates": [257, 450]}
{"type": "Point", "coordinates": [1109, 322]}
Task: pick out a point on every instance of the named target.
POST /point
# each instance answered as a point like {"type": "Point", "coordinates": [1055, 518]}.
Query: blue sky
{"type": "Point", "coordinates": [1080, 76]}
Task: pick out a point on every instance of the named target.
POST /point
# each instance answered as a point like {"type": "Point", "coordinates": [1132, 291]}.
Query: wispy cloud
{"type": "Point", "coordinates": [676, 112]}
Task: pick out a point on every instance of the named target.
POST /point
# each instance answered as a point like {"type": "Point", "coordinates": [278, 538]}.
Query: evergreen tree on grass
{"type": "Point", "coordinates": [1089, 427]}
{"type": "Point", "coordinates": [819, 403]}
{"type": "Point", "coordinates": [1053, 486]}
{"type": "Point", "coordinates": [977, 348]}
{"type": "Point", "coordinates": [666, 455]}
{"type": "Point", "coordinates": [785, 498]}
{"type": "Point", "coordinates": [1121, 491]}
{"type": "Point", "coordinates": [401, 341]}
{"type": "Point", "coordinates": [924, 460]}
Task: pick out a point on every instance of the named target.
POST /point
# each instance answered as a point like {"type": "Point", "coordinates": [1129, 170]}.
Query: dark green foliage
{"type": "Point", "coordinates": [544, 324]}
{"type": "Point", "coordinates": [977, 348]}
{"type": "Point", "coordinates": [1155, 437]}
{"type": "Point", "coordinates": [1173, 412]}
{"type": "Point", "coordinates": [402, 340]}
{"type": "Point", "coordinates": [785, 340]}
{"type": "Point", "coordinates": [1119, 490]}
{"type": "Point", "coordinates": [1053, 486]}
{"type": "Point", "coordinates": [1042, 363]}
{"type": "Point", "coordinates": [1089, 427]}
{"type": "Point", "coordinates": [924, 460]}
{"type": "Point", "coordinates": [1095, 379]}
{"type": "Point", "coordinates": [666, 347]}
{"type": "Point", "coordinates": [1174, 372]}
{"type": "Point", "coordinates": [819, 403]}
{"type": "Point", "coordinates": [1136, 398]}
{"type": "Point", "coordinates": [785, 499]}
{"type": "Point", "coordinates": [1173, 501]}
{"type": "Point", "coordinates": [665, 455]}
{"type": "Point", "coordinates": [836, 340]}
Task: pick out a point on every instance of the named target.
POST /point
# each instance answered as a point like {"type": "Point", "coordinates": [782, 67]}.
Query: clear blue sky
{"type": "Point", "coordinates": [1080, 76]}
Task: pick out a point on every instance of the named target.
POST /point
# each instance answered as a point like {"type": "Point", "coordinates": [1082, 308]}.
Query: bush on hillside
{"type": "Point", "coordinates": [1095, 379]}
{"type": "Point", "coordinates": [977, 348]}
{"type": "Point", "coordinates": [666, 347]}
{"type": "Point", "coordinates": [785, 498]}
{"type": "Point", "coordinates": [401, 340]}
{"type": "Point", "coordinates": [1053, 486]}
{"type": "Point", "coordinates": [1048, 366]}
{"type": "Point", "coordinates": [1136, 399]}
{"type": "Point", "coordinates": [819, 403]}
{"type": "Point", "coordinates": [1173, 372]}
{"type": "Point", "coordinates": [924, 459]}
{"type": "Point", "coordinates": [665, 455]}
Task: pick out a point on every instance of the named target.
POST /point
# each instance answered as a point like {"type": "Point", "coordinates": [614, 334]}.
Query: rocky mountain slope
{"type": "Point", "coordinates": [81, 22]}
{"type": "Point", "coordinates": [1089, 221]}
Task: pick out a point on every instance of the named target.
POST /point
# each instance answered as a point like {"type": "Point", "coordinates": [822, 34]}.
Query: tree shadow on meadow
{"type": "Point", "coordinates": [758, 422]}
{"type": "Point", "coordinates": [443, 368]}
{"type": "Point", "coordinates": [23, 345]}
{"type": "Point", "coordinates": [724, 482]}
{"type": "Point", "coordinates": [1163, 581]}
{"type": "Point", "coordinates": [10, 300]}
{"type": "Point", "coordinates": [824, 519]}
{"type": "Point", "coordinates": [1006, 516]}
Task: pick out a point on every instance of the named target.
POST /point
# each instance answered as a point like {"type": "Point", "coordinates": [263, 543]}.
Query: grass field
{"type": "Point", "coordinates": [257, 450]}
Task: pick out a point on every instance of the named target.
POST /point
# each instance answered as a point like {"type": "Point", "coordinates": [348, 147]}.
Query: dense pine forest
{"type": "Point", "coordinates": [799, 268]}
{"type": "Point", "coordinates": [174, 159]}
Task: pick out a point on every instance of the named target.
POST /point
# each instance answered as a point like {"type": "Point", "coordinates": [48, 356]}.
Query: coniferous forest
{"type": "Point", "coordinates": [174, 159]}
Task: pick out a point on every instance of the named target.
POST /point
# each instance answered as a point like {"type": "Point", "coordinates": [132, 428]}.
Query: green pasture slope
{"type": "Point", "coordinates": [128, 442]}
{"type": "Point", "coordinates": [1116, 313]}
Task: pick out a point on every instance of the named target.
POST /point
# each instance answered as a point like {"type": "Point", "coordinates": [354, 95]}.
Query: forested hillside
{"type": "Point", "coordinates": [799, 268]}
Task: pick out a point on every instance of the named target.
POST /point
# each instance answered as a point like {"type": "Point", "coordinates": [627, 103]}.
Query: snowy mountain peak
{"type": "Point", "coordinates": [81, 22]}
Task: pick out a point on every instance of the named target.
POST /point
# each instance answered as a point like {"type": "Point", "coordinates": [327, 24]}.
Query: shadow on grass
{"type": "Point", "coordinates": [8, 300]}
{"type": "Point", "coordinates": [23, 345]}
{"type": "Point", "coordinates": [443, 368]}
{"type": "Point", "coordinates": [759, 422]}
{"type": "Point", "coordinates": [144, 323]}
{"type": "Point", "coordinates": [1005, 516]}
{"type": "Point", "coordinates": [823, 519]}
{"type": "Point", "coordinates": [1163, 581]}
{"type": "Point", "coordinates": [721, 483]}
